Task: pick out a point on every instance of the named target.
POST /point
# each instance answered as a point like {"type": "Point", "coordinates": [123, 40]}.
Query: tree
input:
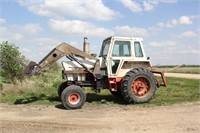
{"type": "Point", "coordinates": [10, 68]}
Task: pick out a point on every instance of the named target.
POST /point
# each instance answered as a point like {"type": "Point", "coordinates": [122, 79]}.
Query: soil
{"type": "Point", "coordinates": [183, 75]}
{"type": "Point", "coordinates": [179, 118]}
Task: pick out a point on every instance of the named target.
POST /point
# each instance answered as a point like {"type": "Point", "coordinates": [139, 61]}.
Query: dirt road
{"type": "Point", "coordinates": [184, 118]}
{"type": "Point", "coordinates": [183, 75]}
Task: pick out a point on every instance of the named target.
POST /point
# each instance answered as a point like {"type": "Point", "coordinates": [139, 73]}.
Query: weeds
{"type": "Point", "coordinates": [31, 90]}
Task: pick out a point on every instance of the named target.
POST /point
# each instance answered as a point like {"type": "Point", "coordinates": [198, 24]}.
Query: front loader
{"type": "Point", "coordinates": [122, 67]}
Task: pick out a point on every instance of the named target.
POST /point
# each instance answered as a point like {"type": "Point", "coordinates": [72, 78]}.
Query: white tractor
{"type": "Point", "coordinates": [122, 67]}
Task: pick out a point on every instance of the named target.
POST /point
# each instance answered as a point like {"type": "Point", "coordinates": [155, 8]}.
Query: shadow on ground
{"type": "Point", "coordinates": [103, 99]}
{"type": "Point", "coordinates": [91, 98]}
{"type": "Point", "coordinates": [32, 99]}
{"type": "Point", "coordinates": [60, 106]}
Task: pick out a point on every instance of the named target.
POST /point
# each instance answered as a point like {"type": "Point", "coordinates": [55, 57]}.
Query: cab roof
{"type": "Point", "coordinates": [124, 38]}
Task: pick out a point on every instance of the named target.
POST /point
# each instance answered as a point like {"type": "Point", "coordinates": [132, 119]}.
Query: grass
{"type": "Point", "coordinates": [36, 90]}
{"type": "Point", "coordinates": [178, 91]}
{"type": "Point", "coordinates": [44, 91]}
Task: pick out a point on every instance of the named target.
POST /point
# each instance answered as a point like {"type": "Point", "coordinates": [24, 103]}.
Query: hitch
{"type": "Point", "coordinates": [164, 81]}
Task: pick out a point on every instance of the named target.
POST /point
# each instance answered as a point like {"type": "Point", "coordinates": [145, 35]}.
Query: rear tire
{"type": "Point", "coordinates": [73, 97]}
{"type": "Point", "coordinates": [138, 86]}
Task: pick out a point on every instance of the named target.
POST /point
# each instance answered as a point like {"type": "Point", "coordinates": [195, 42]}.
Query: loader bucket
{"type": "Point", "coordinates": [30, 69]}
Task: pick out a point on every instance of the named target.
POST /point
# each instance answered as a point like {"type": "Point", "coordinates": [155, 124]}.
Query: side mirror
{"type": "Point", "coordinates": [148, 58]}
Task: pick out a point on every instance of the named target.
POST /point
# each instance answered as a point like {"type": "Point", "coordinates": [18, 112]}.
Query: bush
{"type": "Point", "coordinates": [10, 67]}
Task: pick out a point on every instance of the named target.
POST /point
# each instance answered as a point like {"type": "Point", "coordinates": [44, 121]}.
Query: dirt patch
{"type": "Point", "coordinates": [183, 75]}
{"type": "Point", "coordinates": [182, 118]}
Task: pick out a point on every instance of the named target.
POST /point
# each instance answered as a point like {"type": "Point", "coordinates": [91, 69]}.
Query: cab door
{"type": "Point", "coordinates": [120, 50]}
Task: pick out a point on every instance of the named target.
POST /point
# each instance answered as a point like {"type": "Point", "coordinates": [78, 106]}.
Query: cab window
{"type": "Point", "coordinates": [105, 48]}
{"type": "Point", "coordinates": [121, 48]}
{"type": "Point", "coordinates": [138, 49]}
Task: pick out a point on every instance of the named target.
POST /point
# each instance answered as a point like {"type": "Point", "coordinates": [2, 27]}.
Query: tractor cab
{"type": "Point", "coordinates": [120, 54]}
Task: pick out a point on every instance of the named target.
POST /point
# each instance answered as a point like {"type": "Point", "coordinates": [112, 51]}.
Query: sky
{"type": "Point", "coordinates": [170, 28]}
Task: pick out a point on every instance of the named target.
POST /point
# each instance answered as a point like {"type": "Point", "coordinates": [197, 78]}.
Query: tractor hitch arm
{"type": "Point", "coordinates": [164, 81]}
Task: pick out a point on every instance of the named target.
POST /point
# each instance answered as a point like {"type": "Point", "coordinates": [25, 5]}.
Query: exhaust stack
{"type": "Point", "coordinates": [86, 45]}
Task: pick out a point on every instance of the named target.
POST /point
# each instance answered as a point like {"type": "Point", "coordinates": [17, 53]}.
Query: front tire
{"type": "Point", "coordinates": [73, 97]}
{"type": "Point", "coordinates": [138, 86]}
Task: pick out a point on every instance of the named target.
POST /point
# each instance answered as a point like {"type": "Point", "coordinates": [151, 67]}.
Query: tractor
{"type": "Point", "coordinates": [122, 67]}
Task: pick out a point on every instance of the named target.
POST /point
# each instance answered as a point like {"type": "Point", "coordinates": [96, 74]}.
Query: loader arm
{"type": "Point", "coordinates": [58, 52]}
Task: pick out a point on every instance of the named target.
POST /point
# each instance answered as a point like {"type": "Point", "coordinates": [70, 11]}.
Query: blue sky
{"type": "Point", "coordinates": [170, 28]}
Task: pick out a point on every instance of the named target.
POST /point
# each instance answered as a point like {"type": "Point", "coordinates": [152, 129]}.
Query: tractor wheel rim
{"type": "Point", "coordinates": [140, 86]}
{"type": "Point", "coordinates": [74, 98]}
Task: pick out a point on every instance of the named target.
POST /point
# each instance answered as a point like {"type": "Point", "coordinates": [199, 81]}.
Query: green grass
{"type": "Point", "coordinates": [178, 91]}
{"type": "Point", "coordinates": [43, 93]}
{"type": "Point", "coordinates": [34, 90]}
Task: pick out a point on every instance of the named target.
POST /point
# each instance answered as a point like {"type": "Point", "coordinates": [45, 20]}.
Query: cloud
{"type": "Point", "coordinates": [172, 52]}
{"type": "Point", "coordinates": [2, 21]}
{"type": "Point", "coordinates": [163, 44]}
{"type": "Point", "coordinates": [151, 4]}
{"type": "Point", "coordinates": [183, 20]}
{"type": "Point", "coordinates": [14, 33]}
{"type": "Point", "coordinates": [172, 23]}
{"type": "Point", "coordinates": [9, 35]}
{"type": "Point", "coordinates": [62, 8]}
{"type": "Point", "coordinates": [32, 28]}
{"type": "Point", "coordinates": [25, 50]}
{"type": "Point", "coordinates": [46, 41]}
{"type": "Point", "coordinates": [146, 5]}
{"type": "Point", "coordinates": [132, 5]}
{"type": "Point", "coordinates": [77, 27]}
{"type": "Point", "coordinates": [168, 1]}
{"type": "Point", "coordinates": [130, 31]}
{"type": "Point", "coordinates": [189, 50]}
{"type": "Point", "coordinates": [27, 29]}
{"type": "Point", "coordinates": [161, 24]}
{"type": "Point", "coordinates": [70, 26]}
{"type": "Point", "coordinates": [188, 34]}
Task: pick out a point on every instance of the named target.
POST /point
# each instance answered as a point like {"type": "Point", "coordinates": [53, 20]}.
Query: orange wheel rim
{"type": "Point", "coordinates": [140, 86]}
{"type": "Point", "coordinates": [74, 98]}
